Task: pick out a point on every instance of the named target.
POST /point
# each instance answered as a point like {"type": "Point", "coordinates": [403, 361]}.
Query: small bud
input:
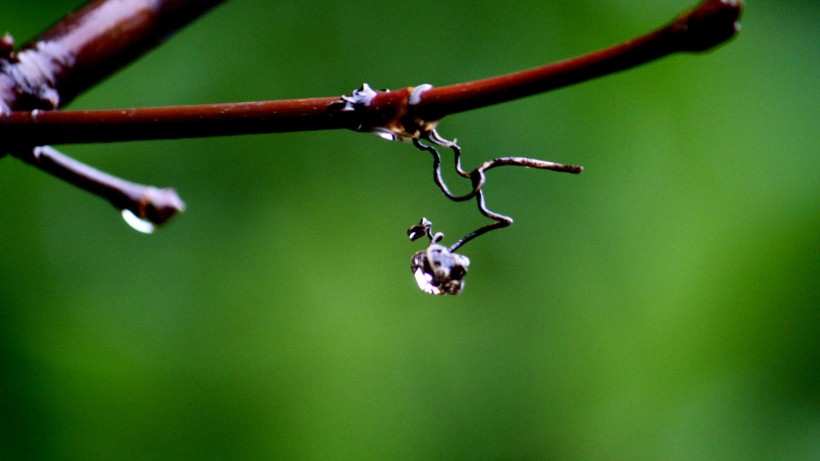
{"type": "Point", "coordinates": [6, 46]}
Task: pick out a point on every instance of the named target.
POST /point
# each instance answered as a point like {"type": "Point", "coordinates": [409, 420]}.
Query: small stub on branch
{"type": "Point", "coordinates": [393, 118]}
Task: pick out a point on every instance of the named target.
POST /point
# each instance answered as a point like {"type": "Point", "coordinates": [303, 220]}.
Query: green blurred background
{"type": "Point", "coordinates": [661, 306]}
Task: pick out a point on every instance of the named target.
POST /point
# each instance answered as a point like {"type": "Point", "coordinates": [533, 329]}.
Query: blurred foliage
{"type": "Point", "coordinates": [663, 305]}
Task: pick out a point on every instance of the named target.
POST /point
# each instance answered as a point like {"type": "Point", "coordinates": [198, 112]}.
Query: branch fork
{"type": "Point", "coordinates": [100, 37]}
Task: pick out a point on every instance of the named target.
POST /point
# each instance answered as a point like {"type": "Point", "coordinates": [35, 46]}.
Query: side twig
{"type": "Point", "coordinates": [73, 55]}
{"type": "Point", "coordinates": [144, 203]}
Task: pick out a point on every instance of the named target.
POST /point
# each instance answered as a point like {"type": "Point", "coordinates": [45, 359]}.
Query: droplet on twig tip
{"type": "Point", "coordinates": [438, 271]}
{"type": "Point", "coordinates": [138, 224]}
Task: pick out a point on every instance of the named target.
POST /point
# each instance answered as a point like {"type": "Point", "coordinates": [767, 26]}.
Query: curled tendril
{"type": "Point", "coordinates": [407, 125]}
{"type": "Point", "coordinates": [479, 178]}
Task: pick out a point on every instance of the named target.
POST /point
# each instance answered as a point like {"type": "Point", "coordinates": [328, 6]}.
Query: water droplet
{"type": "Point", "coordinates": [438, 271]}
{"type": "Point", "coordinates": [384, 134]}
{"type": "Point", "coordinates": [137, 223]}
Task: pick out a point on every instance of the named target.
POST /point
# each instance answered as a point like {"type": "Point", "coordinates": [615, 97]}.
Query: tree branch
{"type": "Point", "coordinates": [104, 35]}
{"type": "Point", "coordinates": [143, 202]}
{"type": "Point", "coordinates": [87, 46]}
{"type": "Point", "coordinates": [74, 54]}
{"type": "Point", "coordinates": [706, 26]}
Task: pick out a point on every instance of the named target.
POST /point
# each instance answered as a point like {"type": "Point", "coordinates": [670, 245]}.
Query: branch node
{"type": "Point", "coordinates": [394, 118]}
{"type": "Point", "coordinates": [358, 99]}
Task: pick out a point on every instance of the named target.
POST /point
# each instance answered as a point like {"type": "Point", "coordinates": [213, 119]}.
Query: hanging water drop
{"type": "Point", "coordinates": [384, 134]}
{"type": "Point", "coordinates": [137, 223]}
{"type": "Point", "coordinates": [438, 271]}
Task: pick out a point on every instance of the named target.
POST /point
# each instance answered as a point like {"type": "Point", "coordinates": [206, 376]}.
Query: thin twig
{"type": "Point", "coordinates": [706, 26]}
{"type": "Point", "coordinates": [87, 46]}
{"type": "Point", "coordinates": [478, 179]}
{"type": "Point", "coordinates": [99, 38]}
{"type": "Point", "coordinates": [145, 202]}
{"type": "Point", "coordinates": [701, 28]}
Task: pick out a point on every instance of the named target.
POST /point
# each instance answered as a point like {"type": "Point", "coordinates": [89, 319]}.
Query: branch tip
{"type": "Point", "coordinates": [709, 24]}
{"type": "Point", "coordinates": [148, 203]}
{"type": "Point", "coordinates": [159, 205]}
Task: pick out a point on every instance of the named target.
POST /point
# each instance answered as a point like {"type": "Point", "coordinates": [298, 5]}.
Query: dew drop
{"type": "Point", "coordinates": [137, 223]}
{"type": "Point", "coordinates": [384, 134]}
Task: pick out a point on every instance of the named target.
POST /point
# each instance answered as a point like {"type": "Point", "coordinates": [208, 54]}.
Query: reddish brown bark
{"type": "Point", "coordinates": [101, 37]}
{"type": "Point", "coordinates": [87, 46]}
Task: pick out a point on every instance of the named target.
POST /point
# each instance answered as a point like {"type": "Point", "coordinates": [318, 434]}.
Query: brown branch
{"type": "Point", "coordinates": [708, 25]}
{"type": "Point", "coordinates": [701, 28]}
{"type": "Point", "coordinates": [145, 202]}
{"type": "Point", "coordinates": [101, 37]}
{"type": "Point", "coordinates": [76, 53]}
{"type": "Point", "coordinates": [22, 129]}
{"type": "Point", "coordinates": [87, 46]}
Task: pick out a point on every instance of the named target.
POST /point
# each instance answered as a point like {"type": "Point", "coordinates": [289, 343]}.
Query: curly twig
{"type": "Point", "coordinates": [478, 179]}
